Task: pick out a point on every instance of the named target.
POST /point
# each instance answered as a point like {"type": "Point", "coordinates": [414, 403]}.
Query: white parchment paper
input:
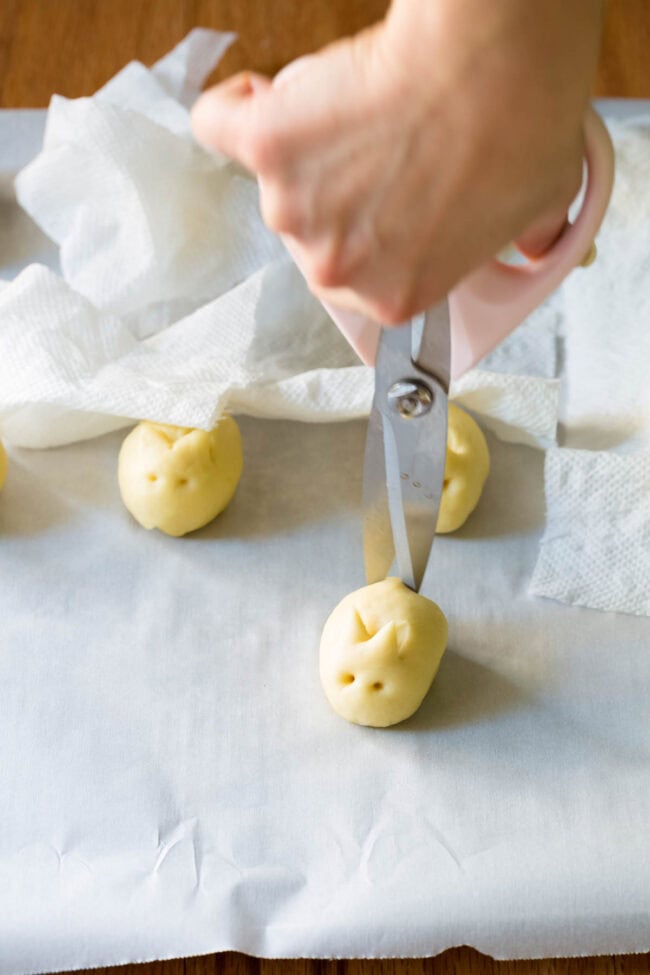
{"type": "Point", "coordinates": [173, 781]}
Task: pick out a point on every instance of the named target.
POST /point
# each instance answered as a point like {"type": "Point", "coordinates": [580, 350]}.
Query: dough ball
{"type": "Point", "coordinates": [3, 465]}
{"type": "Point", "coordinates": [178, 479]}
{"type": "Point", "coordinates": [379, 653]}
{"type": "Point", "coordinates": [466, 468]}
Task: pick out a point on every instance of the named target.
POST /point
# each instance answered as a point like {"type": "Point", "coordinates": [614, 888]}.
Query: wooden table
{"type": "Point", "coordinates": [72, 47]}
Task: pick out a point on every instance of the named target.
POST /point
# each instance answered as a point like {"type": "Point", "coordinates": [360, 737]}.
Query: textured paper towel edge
{"type": "Point", "coordinates": [41, 425]}
{"type": "Point", "coordinates": [609, 559]}
{"type": "Point", "coordinates": [518, 409]}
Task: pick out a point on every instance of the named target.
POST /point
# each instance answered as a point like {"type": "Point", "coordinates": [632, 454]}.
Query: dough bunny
{"type": "Point", "coordinates": [178, 479]}
{"type": "Point", "coordinates": [379, 652]}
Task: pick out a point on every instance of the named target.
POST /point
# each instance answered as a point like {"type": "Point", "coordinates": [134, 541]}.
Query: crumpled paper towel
{"type": "Point", "coordinates": [596, 547]}
{"type": "Point", "coordinates": [144, 216]}
{"type": "Point", "coordinates": [177, 302]}
{"type": "Point", "coordinates": [265, 348]}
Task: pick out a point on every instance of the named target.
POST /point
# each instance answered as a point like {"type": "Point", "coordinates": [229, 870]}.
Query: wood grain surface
{"type": "Point", "coordinates": [72, 47]}
{"type": "Point", "coordinates": [457, 961]}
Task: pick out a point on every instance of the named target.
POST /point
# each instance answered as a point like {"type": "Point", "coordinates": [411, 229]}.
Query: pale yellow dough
{"type": "Point", "coordinates": [3, 465]}
{"type": "Point", "coordinates": [178, 479]}
{"type": "Point", "coordinates": [466, 468]}
{"type": "Point", "coordinates": [379, 653]}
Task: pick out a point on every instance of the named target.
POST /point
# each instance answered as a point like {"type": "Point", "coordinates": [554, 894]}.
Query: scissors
{"type": "Point", "coordinates": [407, 431]}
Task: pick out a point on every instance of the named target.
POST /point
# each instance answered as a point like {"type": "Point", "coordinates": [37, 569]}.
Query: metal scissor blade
{"type": "Point", "coordinates": [414, 474]}
{"type": "Point", "coordinates": [406, 448]}
{"type": "Point", "coordinates": [432, 343]}
{"type": "Point", "coordinates": [378, 548]}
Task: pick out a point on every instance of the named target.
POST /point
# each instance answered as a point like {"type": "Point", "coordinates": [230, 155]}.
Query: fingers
{"type": "Point", "coordinates": [348, 298]}
{"type": "Point", "coordinates": [375, 298]}
{"type": "Point", "coordinates": [541, 236]}
{"type": "Point", "coordinates": [224, 118]}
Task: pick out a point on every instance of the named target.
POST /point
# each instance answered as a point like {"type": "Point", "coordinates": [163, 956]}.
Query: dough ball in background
{"type": "Point", "coordinates": [3, 465]}
{"type": "Point", "coordinates": [466, 469]}
{"type": "Point", "coordinates": [178, 479]}
{"type": "Point", "coordinates": [379, 652]}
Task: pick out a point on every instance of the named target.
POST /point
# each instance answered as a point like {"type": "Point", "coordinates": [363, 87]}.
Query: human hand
{"type": "Point", "coordinates": [395, 162]}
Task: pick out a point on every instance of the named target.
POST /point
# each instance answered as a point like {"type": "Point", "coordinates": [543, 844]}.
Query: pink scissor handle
{"type": "Point", "coordinates": [490, 302]}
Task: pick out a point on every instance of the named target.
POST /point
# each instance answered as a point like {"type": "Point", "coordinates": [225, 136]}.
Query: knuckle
{"type": "Point", "coordinates": [397, 307]}
{"type": "Point", "coordinates": [324, 273]}
{"type": "Point", "coordinates": [280, 212]}
{"type": "Point", "coordinates": [393, 314]}
{"type": "Point", "coordinates": [264, 150]}
{"type": "Point", "coordinates": [326, 268]}
{"type": "Point", "coordinates": [340, 262]}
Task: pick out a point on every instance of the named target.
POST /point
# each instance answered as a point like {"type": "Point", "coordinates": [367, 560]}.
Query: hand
{"type": "Point", "coordinates": [395, 162]}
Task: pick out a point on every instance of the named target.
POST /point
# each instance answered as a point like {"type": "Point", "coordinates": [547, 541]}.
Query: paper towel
{"type": "Point", "coordinates": [149, 224]}
{"type": "Point", "coordinates": [266, 348]}
{"type": "Point", "coordinates": [142, 215]}
{"type": "Point", "coordinates": [163, 245]}
{"type": "Point", "coordinates": [596, 548]}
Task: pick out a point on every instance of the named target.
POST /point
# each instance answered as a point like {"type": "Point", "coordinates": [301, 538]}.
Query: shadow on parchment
{"type": "Point", "coordinates": [45, 488]}
{"type": "Point", "coordinates": [465, 692]}
{"type": "Point", "coordinates": [21, 241]}
{"type": "Point", "coordinates": [512, 502]}
{"type": "Point", "coordinates": [298, 473]}
{"type": "Point", "coordinates": [28, 507]}
{"type": "Point", "coordinates": [294, 474]}
{"type": "Point", "coordinates": [602, 436]}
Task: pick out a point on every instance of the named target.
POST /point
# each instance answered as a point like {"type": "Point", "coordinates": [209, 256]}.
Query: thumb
{"type": "Point", "coordinates": [224, 118]}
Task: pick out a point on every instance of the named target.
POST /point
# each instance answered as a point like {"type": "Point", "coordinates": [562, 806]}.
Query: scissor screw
{"type": "Point", "coordinates": [410, 398]}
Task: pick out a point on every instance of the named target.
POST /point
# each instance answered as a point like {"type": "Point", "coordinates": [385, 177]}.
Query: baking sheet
{"type": "Point", "coordinates": [173, 781]}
